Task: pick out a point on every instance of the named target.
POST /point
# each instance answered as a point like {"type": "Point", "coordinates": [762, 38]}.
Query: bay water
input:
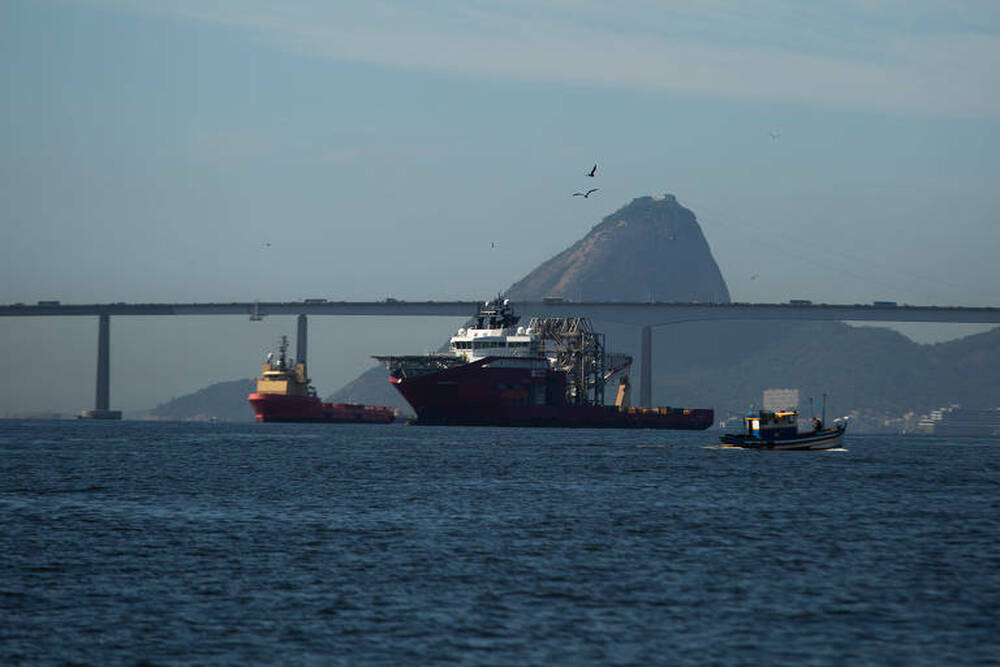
{"type": "Point", "coordinates": [177, 543]}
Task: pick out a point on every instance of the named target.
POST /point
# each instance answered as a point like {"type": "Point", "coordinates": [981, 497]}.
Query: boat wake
{"type": "Point", "coordinates": [735, 448]}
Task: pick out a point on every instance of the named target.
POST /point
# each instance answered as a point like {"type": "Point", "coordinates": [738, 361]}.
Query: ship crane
{"type": "Point", "coordinates": [615, 363]}
{"type": "Point", "coordinates": [578, 350]}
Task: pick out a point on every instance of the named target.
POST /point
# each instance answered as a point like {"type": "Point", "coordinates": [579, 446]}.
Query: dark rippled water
{"type": "Point", "coordinates": [215, 543]}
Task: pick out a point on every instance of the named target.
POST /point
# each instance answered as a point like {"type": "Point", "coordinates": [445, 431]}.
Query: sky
{"type": "Point", "coordinates": [200, 150]}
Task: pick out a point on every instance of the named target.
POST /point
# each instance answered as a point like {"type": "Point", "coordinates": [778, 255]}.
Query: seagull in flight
{"type": "Point", "coordinates": [773, 135]}
{"type": "Point", "coordinates": [593, 170]}
{"type": "Point", "coordinates": [585, 194]}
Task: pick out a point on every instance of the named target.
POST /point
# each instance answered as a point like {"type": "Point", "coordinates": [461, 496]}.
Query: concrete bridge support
{"type": "Point", "coordinates": [300, 340]}
{"type": "Point", "coordinates": [646, 368]}
{"type": "Point", "coordinates": [102, 398]}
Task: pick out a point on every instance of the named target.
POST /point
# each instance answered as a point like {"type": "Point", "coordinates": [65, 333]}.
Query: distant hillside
{"type": "Point", "coordinates": [873, 367]}
{"type": "Point", "coordinates": [225, 401]}
{"type": "Point", "coordinates": [968, 368]}
{"type": "Point", "coordinates": [372, 387]}
{"type": "Point", "coordinates": [866, 369]}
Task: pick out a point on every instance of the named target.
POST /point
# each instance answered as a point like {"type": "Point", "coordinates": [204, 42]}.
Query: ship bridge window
{"type": "Point", "coordinates": [487, 344]}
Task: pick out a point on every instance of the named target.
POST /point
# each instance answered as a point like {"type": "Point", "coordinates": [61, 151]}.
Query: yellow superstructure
{"type": "Point", "coordinates": [278, 377]}
{"type": "Point", "coordinates": [291, 382]}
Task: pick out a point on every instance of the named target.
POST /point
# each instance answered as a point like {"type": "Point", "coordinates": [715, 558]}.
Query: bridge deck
{"type": "Point", "coordinates": [646, 315]}
{"type": "Point", "coordinates": [655, 313]}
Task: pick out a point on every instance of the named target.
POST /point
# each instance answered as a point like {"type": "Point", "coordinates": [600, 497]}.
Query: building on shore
{"type": "Point", "coordinates": [955, 420]}
{"type": "Point", "coordinates": [781, 399]}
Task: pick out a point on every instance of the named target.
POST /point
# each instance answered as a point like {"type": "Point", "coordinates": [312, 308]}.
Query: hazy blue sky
{"type": "Point", "coordinates": [152, 150]}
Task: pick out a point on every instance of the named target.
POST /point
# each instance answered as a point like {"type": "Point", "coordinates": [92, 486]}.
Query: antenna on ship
{"type": "Point", "coordinates": [282, 349]}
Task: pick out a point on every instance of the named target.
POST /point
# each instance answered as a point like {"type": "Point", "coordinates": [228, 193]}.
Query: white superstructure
{"type": "Point", "coordinates": [495, 333]}
{"type": "Point", "coordinates": [565, 345]}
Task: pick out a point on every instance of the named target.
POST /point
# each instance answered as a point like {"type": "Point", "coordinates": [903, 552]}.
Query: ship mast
{"type": "Point", "coordinates": [282, 353]}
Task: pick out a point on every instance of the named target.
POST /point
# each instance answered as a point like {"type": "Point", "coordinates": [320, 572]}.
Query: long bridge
{"type": "Point", "coordinates": [646, 315]}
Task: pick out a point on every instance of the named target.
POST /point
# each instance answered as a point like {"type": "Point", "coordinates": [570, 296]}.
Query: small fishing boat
{"type": "Point", "coordinates": [766, 429]}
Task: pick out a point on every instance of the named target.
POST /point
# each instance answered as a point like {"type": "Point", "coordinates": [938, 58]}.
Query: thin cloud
{"type": "Point", "coordinates": [684, 48]}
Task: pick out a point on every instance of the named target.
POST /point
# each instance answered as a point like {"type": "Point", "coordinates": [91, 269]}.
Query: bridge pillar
{"type": "Point", "coordinates": [646, 368]}
{"type": "Point", "coordinates": [300, 341]}
{"type": "Point", "coordinates": [103, 394]}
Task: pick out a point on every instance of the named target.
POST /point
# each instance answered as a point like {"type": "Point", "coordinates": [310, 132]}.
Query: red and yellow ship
{"type": "Point", "coordinates": [285, 395]}
{"type": "Point", "coordinates": [551, 373]}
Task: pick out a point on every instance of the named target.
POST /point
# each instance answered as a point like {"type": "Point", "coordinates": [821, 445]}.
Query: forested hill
{"type": "Point", "coordinates": [225, 401]}
{"type": "Point", "coordinates": [870, 370]}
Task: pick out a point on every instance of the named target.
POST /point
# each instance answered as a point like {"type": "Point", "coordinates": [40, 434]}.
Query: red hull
{"type": "Point", "coordinates": [280, 408]}
{"type": "Point", "coordinates": [480, 395]}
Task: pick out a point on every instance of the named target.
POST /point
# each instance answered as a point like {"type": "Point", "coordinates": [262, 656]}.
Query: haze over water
{"type": "Point", "coordinates": [226, 543]}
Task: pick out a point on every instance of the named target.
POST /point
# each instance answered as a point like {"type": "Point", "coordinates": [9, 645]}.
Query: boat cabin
{"type": "Point", "coordinates": [279, 376]}
{"type": "Point", "coordinates": [494, 333]}
{"type": "Point", "coordinates": [768, 425]}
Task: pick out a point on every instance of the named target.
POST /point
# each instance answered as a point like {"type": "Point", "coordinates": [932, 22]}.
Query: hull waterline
{"type": "Point", "coordinates": [278, 408]}
{"type": "Point", "coordinates": [472, 395]}
{"type": "Point", "coordinates": [826, 439]}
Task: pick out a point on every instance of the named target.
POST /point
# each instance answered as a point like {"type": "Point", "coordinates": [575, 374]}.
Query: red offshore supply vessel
{"type": "Point", "coordinates": [285, 395]}
{"type": "Point", "coordinates": [551, 373]}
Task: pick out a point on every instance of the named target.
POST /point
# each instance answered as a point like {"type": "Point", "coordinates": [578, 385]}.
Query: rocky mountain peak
{"type": "Point", "coordinates": [650, 249]}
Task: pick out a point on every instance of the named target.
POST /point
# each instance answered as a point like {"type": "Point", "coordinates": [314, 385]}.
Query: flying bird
{"type": "Point", "coordinates": [593, 170]}
{"type": "Point", "coordinates": [585, 194]}
{"type": "Point", "coordinates": [773, 135]}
